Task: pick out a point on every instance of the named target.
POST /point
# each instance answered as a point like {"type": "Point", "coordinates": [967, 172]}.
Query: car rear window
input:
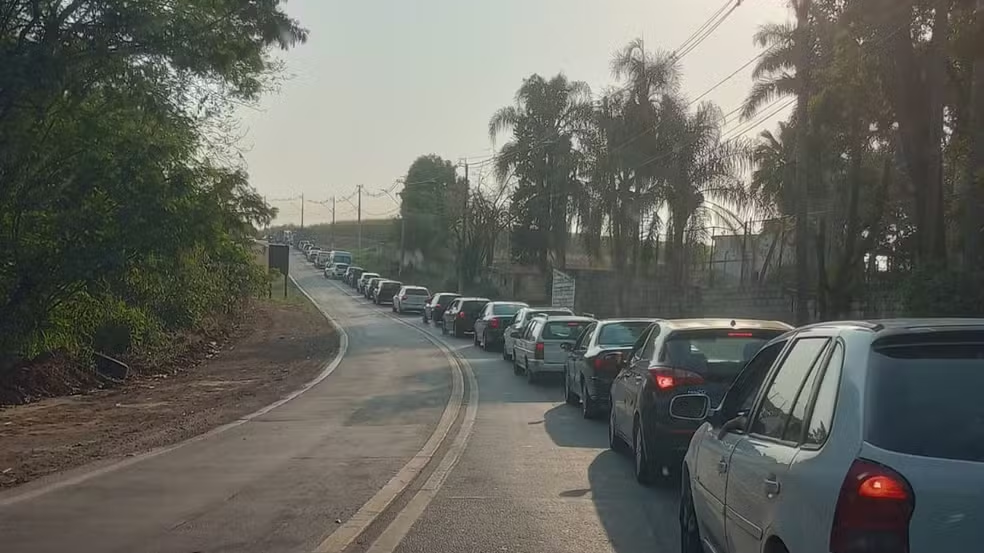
{"type": "Point", "coordinates": [473, 307]}
{"type": "Point", "coordinates": [716, 354]}
{"type": "Point", "coordinates": [445, 298]}
{"type": "Point", "coordinates": [563, 330]}
{"type": "Point", "coordinates": [391, 286]}
{"type": "Point", "coordinates": [506, 308]}
{"type": "Point", "coordinates": [416, 292]}
{"type": "Point", "coordinates": [924, 399]}
{"type": "Point", "coordinates": [622, 334]}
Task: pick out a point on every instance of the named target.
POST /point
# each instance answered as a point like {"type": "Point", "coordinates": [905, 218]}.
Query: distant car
{"type": "Point", "coordinates": [303, 244]}
{"type": "Point", "coordinates": [336, 270]}
{"type": "Point", "coordinates": [538, 349]}
{"type": "Point", "coordinates": [592, 362]}
{"type": "Point", "coordinates": [434, 308]}
{"type": "Point", "coordinates": [843, 437]}
{"type": "Point", "coordinates": [671, 359]}
{"type": "Point", "coordinates": [492, 323]}
{"type": "Point", "coordinates": [352, 275]}
{"type": "Point", "coordinates": [459, 318]}
{"type": "Point", "coordinates": [312, 254]}
{"type": "Point", "coordinates": [385, 291]}
{"type": "Point", "coordinates": [410, 298]}
{"type": "Point", "coordinates": [363, 281]}
{"type": "Point", "coordinates": [321, 260]}
{"type": "Point", "coordinates": [370, 287]}
{"type": "Point", "coordinates": [520, 322]}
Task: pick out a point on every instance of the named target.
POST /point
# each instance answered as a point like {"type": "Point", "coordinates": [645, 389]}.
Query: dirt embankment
{"type": "Point", "coordinates": [274, 350]}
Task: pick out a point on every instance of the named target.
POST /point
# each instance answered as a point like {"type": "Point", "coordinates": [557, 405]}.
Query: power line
{"type": "Point", "coordinates": [679, 55]}
{"type": "Point", "coordinates": [729, 77]}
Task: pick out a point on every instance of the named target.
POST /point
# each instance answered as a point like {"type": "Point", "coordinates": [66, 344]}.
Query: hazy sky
{"type": "Point", "coordinates": [381, 82]}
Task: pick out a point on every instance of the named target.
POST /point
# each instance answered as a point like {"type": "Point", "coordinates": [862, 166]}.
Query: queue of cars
{"type": "Point", "coordinates": [839, 437]}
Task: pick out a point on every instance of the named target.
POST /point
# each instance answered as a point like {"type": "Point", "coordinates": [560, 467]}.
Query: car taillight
{"type": "Point", "coordinates": [873, 511]}
{"type": "Point", "coordinates": [403, 298]}
{"type": "Point", "coordinates": [538, 351]}
{"type": "Point", "coordinates": [667, 378]}
{"type": "Point", "coordinates": [437, 306]}
{"type": "Point", "coordinates": [494, 323]}
{"type": "Point", "coordinates": [461, 314]}
{"type": "Point", "coordinates": [606, 362]}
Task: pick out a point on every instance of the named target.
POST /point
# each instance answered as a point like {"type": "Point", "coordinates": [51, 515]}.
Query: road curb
{"type": "Point", "coordinates": [329, 367]}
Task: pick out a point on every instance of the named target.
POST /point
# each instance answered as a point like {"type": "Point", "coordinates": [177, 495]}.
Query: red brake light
{"type": "Point", "coordinates": [538, 351]}
{"type": "Point", "coordinates": [461, 314]}
{"type": "Point", "coordinates": [740, 335]}
{"type": "Point", "coordinates": [873, 511]}
{"type": "Point", "coordinates": [573, 324]}
{"type": "Point", "coordinates": [437, 305]}
{"type": "Point", "coordinates": [667, 378]}
{"type": "Point", "coordinates": [494, 323]}
{"type": "Point", "coordinates": [403, 298]}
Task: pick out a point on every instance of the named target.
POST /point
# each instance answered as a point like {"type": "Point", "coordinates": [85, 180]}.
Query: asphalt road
{"type": "Point", "coordinates": [519, 470]}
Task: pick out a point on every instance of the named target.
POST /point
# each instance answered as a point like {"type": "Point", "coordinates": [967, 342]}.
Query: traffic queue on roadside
{"type": "Point", "coordinates": [824, 438]}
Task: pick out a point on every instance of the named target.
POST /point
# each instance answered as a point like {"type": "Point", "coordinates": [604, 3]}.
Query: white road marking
{"type": "Point", "coordinates": [398, 528]}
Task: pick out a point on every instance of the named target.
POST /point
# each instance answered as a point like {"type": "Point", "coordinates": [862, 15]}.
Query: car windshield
{"type": "Point", "coordinates": [563, 330]}
{"type": "Point", "coordinates": [914, 388]}
{"type": "Point", "coordinates": [621, 333]}
{"type": "Point", "coordinates": [716, 354]}
{"type": "Point", "coordinates": [506, 308]}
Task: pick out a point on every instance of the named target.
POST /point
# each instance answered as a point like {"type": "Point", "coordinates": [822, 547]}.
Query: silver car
{"type": "Point", "coordinates": [410, 298]}
{"type": "Point", "coordinates": [539, 350]}
{"type": "Point", "coordinates": [521, 321]}
{"type": "Point", "coordinates": [841, 438]}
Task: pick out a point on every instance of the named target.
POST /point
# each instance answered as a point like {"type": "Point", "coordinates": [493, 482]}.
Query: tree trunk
{"type": "Point", "coordinates": [973, 174]}
{"type": "Point", "coordinates": [801, 197]}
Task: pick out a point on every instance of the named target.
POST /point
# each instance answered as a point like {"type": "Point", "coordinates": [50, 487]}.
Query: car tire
{"type": "Point", "coordinates": [615, 442]}
{"type": "Point", "coordinates": [516, 368]}
{"type": "Point", "coordinates": [569, 396]}
{"type": "Point", "coordinates": [444, 329]}
{"type": "Point", "coordinates": [457, 333]}
{"type": "Point", "coordinates": [643, 470]}
{"type": "Point", "coordinates": [505, 355]}
{"type": "Point", "coordinates": [589, 410]}
{"type": "Point", "coordinates": [531, 376]}
{"type": "Point", "coordinates": [475, 341]}
{"type": "Point", "coordinates": [690, 541]}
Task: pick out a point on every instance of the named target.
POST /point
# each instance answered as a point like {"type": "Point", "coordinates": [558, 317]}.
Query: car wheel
{"type": "Point", "coordinates": [504, 354]}
{"type": "Point", "coordinates": [516, 368]}
{"type": "Point", "coordinates": [424, 318]}
{"type": "Point", "coordinates": [475, 341]}
{"type": "Point", "coordinates": [614, 441]}
{"type": "Point", "coordinates": [531, 376]}
{"type": "Point", "coordinates": [444, 329]}
{"type": "Point", "coordinates": [690, 541]}
{"type": "Point", "coordinates": [569, 396]}
{"type": "Point", "coordinates": [588, 408]}
{"type": "Point", "coordinates": [643, 472]}
{"type": "Point", "coordinates": [457, 333]}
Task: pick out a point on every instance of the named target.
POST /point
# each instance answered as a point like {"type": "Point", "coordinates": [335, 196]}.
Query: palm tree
{"type": "Point", "coordinates": [541, 156]}
{"type": "Point", "coordinates": [774, 159]}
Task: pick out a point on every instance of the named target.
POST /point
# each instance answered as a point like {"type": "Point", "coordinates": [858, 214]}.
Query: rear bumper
{"type": "Point", "coordinates": [495, 335]}
{"type": "Point", "coordinates": [540, 366]}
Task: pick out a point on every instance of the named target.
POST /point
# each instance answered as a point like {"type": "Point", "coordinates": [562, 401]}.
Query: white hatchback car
{"type": "Point", "coordinates": [848, 437]}
{"type": "Point", "coordinates": [410, 298]}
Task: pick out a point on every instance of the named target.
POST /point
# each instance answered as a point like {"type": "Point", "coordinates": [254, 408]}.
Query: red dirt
{"type": "Point", "coordinates": [271, 352]}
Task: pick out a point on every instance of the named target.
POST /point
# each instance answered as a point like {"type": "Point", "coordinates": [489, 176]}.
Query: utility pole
{"type": "Point", "coordinates": [332, 222]}
{"type": "Point", "coordinates": [803, 165]}
{"type": "Point", "coordinates": [403, 242]}
{"type": "Point", "coordinates": [360, 216]}
{"type": "Point", "coordinates": [463, 235]}
{"type": "Point", "coordinates": [302, 210]}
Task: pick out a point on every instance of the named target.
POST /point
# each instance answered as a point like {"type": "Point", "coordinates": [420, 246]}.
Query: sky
{"type": "Point", "coordinates": [381, 82]}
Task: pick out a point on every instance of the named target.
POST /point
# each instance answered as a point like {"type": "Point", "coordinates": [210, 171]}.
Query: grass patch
{"type": "Point", "coordinates": [275, 293]}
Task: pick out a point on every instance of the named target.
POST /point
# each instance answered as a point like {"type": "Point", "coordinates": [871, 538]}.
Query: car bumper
{"type": "Point", "coordinates": [539, 366]}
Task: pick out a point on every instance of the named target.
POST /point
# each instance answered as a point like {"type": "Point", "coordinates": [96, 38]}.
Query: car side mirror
{"type": "Point", "coordinates": [736, 424]}
{"type": "Point", "coordinates": [690, 407]}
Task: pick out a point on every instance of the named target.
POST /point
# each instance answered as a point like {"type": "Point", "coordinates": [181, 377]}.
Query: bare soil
{"type": "Point", "coordinates": [273, 350]}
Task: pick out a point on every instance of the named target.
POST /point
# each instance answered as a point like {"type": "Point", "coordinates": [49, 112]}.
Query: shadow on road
{"type": "Point", "coordinates": [567, 428]}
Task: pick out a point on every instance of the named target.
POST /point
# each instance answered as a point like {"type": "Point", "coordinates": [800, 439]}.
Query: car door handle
{"type": "Point", "coordinates": [722, 466]}
{"type": "Point", "coordinates": [771, 487]}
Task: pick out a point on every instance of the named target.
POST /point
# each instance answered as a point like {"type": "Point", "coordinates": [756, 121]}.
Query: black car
{"type": "Point", "coordinates": [670, 359]}
{"type": "Point", "coordinates": [370, 287]}
{"type": "Point", "coordinates": [435, 306]}
{"type": "Point", "coordinates": [592, 362]}
{"type": "Point", "coordinates": [492, 322]}
{"type": "Point", "coordinates": [460, 316]}
{"type": "Point", "coordinates": [352, 275]}
{"type": "Point", "coordinates": [385, 291]}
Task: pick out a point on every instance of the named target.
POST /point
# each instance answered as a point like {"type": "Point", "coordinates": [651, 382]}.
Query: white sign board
{"type": "Point", "coordinates": [562, 291]}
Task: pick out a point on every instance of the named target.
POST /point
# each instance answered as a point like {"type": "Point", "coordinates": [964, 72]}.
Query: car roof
{"type": "Point", "coordinates": [502, 302]}
{"type": "Point", "coordinates": [389, 281]}
{"type": "Point", "coordinates": [455, 294]}
{"type": "Point", "coordinates": [568, 319]}
{"type": "Point", "coordinates": [414, 286]}
{"type": "Point", "coordinates": [469, 298]}
{"type": "Point", "coordinates": [629, 320]}
{"type": "Point", "coordinates": [697, 324]}
{"type": "Point", "coordinates": [900, 326]}
{"type": "Point", "coordinates": [370, 275]}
